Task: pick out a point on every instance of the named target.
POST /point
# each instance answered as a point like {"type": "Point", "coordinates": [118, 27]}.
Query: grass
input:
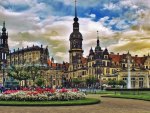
{"type": "Point", "coordinates": [130, 96]}
{"type": "Point", "coordinates": [139, 95]}
{"type": "Point", "coordinates": [101, 92]}
{"type": "Point", "coordinates": [121, 92]}
{"type": "Point", "coordinates": [87, 101]}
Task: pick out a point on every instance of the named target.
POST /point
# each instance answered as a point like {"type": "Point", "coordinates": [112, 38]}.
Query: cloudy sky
{"type": "Point", "coordinates": [122, 24]}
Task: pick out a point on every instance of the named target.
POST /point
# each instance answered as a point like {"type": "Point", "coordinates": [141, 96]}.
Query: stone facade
{"type": "Point", "coordinates": [29, 55]}
{"type": "Point", "coordinates": [103, 65]}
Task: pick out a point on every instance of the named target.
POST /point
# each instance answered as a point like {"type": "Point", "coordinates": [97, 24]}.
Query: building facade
{"type": "Point", "coordinates": [29, 55]}
{"type": "Point", "coordinates": [105, 66]}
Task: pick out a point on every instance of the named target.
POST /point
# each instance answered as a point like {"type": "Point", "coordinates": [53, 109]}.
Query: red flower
{"type": "Point", "coordinates": [10, 91]}
{"type": "Point", "coordinates": [75, 90]}
{"type": "Point", "coordinates": [63, 90]}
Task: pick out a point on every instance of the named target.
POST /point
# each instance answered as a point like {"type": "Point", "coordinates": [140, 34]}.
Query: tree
{"type": "Point", "coordinates": [34, 72]}
{"type": "Point", "coordinates": [77, 81]}
{"type": "Point", "coordinates": [112, 82]}
{"type": "Point", "coordinates": [91, 81]}
{"type": "Point", "coordinates": [122, 83]}
{"type": "Point", "coordinates": [19, 73]}
{"type": "Point", "coordinates": [40, 82]}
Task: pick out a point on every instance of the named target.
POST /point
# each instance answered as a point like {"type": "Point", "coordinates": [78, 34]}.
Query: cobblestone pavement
{"type": "Point", "coordinates": [108, 105]}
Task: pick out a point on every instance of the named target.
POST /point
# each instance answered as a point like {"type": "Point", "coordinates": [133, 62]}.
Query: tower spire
{"type": "Point", "coordinates": [76, 18]}
{"type": "Point", "coordinates": [97, 35]}
{"type": "Point", "coordinates": [4, 28]}
{"type": "Point", "coordinates": [4, 24]}
{"type": "Point", "coordinates": [97, 38]}
{"type": "Point", "coordinates": [75, 8]}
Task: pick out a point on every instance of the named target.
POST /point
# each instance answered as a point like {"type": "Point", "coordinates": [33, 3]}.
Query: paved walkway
{"type": "Point", "coordinates": [108, 105]}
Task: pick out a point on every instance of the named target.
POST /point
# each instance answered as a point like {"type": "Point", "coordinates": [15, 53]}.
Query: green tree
{"type": "Point", "coordinates": [77, 81]}
{"type": "Point", "coordinates": [112, 82]}
{"type": "Point", "coordinates": [39, 82]}
{"type": "Point", "coordinates": [91, 81]}
{"type": "Point", "coordinates": [19, 73]}
{"type": "Point", "coordinates": [122, 83]}
{"type": "Point", "coordinates": [34, 72]}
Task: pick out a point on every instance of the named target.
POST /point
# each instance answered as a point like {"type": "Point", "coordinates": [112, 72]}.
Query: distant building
{"type": "Point", "coordinates": [29, 55]}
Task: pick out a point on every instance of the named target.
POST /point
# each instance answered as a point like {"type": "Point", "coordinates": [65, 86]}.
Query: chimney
{"type": "Point", "coordinates": [14, 50]}
{"type": "Point", "coordinates": [41, 46]}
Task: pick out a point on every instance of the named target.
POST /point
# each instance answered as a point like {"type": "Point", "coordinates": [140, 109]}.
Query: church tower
{"type": "Point", "coordinates": [75, 52]}
{"type": "Point", "coordinates": [4, 50]}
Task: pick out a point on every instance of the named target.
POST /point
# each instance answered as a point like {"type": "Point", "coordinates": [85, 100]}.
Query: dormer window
{"type": "Point", "coordinates": [105, 56]}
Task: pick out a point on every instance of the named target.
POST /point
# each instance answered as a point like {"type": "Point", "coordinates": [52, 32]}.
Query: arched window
{"type": "Point", "coordinates": [1, 41]}
{"type": "Point", "coordinates": [5, 56]}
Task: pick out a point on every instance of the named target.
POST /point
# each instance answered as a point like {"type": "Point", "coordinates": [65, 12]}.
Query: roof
{"type": "Point", "coordinates": [84, 60]}
{"type": "Point", "coordinates": [57, 65]}
{"type": "Point", "coordinates": [33, 48]}
{"type": "Point", "coordinates": [105, 52]}
{"type": "Point", "coordinates": [117, 58]}
{"type": "Point", "coordinates": [139, 60]}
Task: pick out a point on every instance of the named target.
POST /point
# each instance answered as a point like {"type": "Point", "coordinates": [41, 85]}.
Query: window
{"type": "Point", "coordinates": [5, 56]}
{"type": "Point", "coordinates": [105, 56]}
{"type": "Point", "coordinates": [124, 78]}
{"type": "Point", "coordinates": [83, 73]}
{"type": "Point", "coordinates": [123, 65]}
{"type": "Point", "coordinates": [2, 56]}
{"type": "Point", "coordinates": [133, 82]}
{"type": "Point", "coordinates": [104, 64]}
{"type": "Point", "coordinates": [141, 82]}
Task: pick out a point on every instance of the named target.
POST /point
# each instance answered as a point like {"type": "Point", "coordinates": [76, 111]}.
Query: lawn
{"type": "Point", "coordinates": [129, 96]}
{"type": "Point", "coordinates": [140, 95]}
{"type": "Point", "coordinates": [86, 101]}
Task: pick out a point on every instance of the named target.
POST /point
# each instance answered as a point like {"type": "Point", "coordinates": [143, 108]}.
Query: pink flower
{"type": "Point", "coordinates": [74, 90]}
{"type": "Point", "coordinates": [63, 90]}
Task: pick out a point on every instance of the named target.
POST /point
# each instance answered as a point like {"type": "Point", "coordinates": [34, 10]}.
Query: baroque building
{"type": "Point", "coordinates": [29, 55]}
{"type": "Point", "coordinates": [99, 64]}
{"type": "Point", "coordinates": [104, 66]}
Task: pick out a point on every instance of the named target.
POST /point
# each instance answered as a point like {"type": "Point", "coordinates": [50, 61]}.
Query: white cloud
{"type": "Point", "coordinates": [26, 28]}
{"type": "Point", "coordinates": [82, 3]}
{"type": "Point", "coordinates": [18, 2]}
{"type": "Point", "coordinates": [92, 15]}
{"type": "Point", "coordinates": [111, 6]}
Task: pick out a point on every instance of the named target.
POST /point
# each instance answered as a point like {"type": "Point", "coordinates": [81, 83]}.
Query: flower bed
{"type": "Point", "coordinates": [40, 94]}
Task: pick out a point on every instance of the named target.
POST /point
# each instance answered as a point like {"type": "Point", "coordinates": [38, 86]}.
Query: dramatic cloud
{"type": "Point", "coordinates": [122, 24]}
